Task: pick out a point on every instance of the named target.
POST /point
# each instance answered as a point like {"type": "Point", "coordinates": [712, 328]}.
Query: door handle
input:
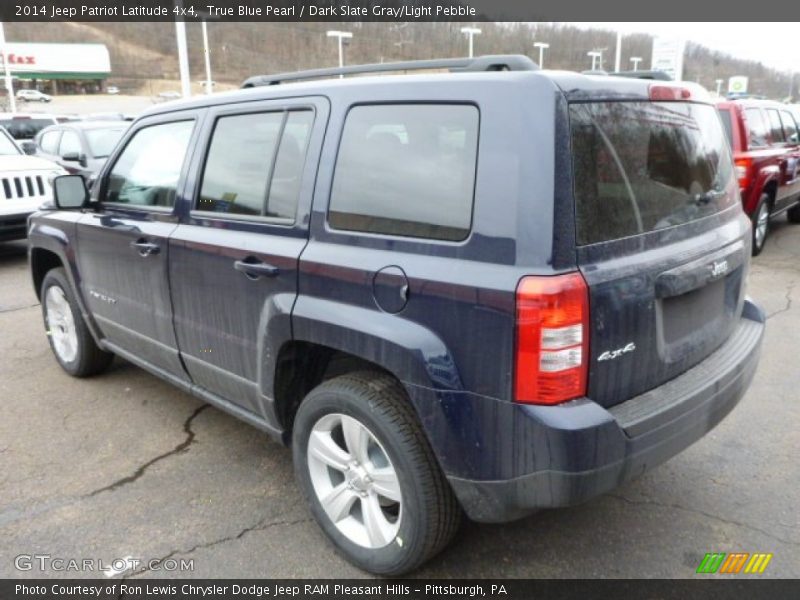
{"type": "Point", "coordinates": [254, 268]}
{"type": "Point", "coordinates": [145, 248]}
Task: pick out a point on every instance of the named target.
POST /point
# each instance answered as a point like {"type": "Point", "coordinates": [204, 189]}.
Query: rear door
{"type": "Point", "coordinates": [234, 256]}
{"type": "Point", "coordinates": [122, 244]}
{"type": "Point", "coordinates": [662, 241]}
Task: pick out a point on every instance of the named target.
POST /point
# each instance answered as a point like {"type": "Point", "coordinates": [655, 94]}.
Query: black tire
{"type": "Point", "coordinates": [89, 358]}
{"type": "Point", "coordinates": [759, 240]}
{"type": "Point", "coordinates": [793, 214]}
{"type": "Point", "coordinates": [430, 514]}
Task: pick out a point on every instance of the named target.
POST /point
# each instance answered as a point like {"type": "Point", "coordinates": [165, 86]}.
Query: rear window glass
{"type": "Point", "coordinates": [25, 129]}
{"type": "Point", "coordinates": [644, 166]}
{"type": "Point", "coordinates": [407, 170]}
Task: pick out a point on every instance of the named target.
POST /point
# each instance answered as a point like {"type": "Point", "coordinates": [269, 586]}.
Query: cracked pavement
{"type": "Point", "coordinates": [124, 465]}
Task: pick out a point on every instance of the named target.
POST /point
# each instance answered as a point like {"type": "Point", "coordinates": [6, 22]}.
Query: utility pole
{"type": "Point", "coordinates": [12, 101]}
{"type": "Point", "coordinates": [470, 32]}
{"type": "Point", "coordinates": [207, 57]}
{"type": "Point", "coordinates": [341, 35]}
{"type": "Point", "coordinates": [541, 46]}
{"type": "Point", "coordinates": [183, 58]}
{"type": "Point", "coordinates": [719, 86]}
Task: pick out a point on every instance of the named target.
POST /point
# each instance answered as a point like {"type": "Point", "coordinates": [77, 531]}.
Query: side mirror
{"type": "Point", "coordinates": [70, 192]}
{"type": "Point", "coordinates": [28, 147]}
{"type": "Point", "coordinates": [72, 157]}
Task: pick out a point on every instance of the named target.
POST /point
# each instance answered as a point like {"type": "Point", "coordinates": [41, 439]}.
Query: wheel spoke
{"type": "Point", "coordinates": [378, 528]}
{"type": "Point", "coordinates": [339, 502]}
{"type": "Point", "coordinates": [385, 483]}
{"type": "Point", "coordinates": [356, 438]}
{"type": "Point", "coordinates": [322, 447]}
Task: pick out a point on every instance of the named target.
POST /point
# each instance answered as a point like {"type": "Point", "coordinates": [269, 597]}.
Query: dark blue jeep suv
{"type": "Point", "coordinates": [493, 290]}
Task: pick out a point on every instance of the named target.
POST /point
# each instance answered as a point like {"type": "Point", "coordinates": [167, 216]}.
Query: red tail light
{"type": "Point", "coordinates": [552, 339]}
{"type": "Point", "coordinates": [744, 170]}
{"type": "Point", "coordinates": [669, 93]}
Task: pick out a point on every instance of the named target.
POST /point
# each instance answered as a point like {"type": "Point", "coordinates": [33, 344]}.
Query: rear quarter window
{"type": "Point", "coordinates": [407, 170]}
{"type": "Point", "coordinates": [644, 166]}
{"type": "Point", "coordinates": [727, 124]}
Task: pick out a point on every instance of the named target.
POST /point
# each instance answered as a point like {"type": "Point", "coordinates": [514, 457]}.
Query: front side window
{"type": "Point", "coordinates": [254, 164]}
{"type": "Point", "coordinates": [70, 144]}
{"type": "Point", "coordinates": [148, 169]}
{"type": "Point", "coordinates": [789, 127]}
{"type": "Point", "coordinates": [407, 170]}
{"type": "Point", "coordinates": [102, 141]}
{"type": "Point", "coordinates": [645, 166]}
{"type": "Point", "coordinates": [49, 142]}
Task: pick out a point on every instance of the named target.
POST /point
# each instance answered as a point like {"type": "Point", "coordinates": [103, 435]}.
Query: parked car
{"type": "Point", "coordinates": [80, 147]}
{"type": "Point", "coordinates": [25, 126]}
{"type": "Point", "coordinates": [33, 96]}
{"type": "Point", "coordinates": [170, 95]}
{"type": "Point", "coordinates": [25, 184]}
{"type": "Point", "coordinates": [113, 90]}
{"type": "Point", "coordinates": [765, 140]}
{"type": "Point", "coordinates": [491, 293]}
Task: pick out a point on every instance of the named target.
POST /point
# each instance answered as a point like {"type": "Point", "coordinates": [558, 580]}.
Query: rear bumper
{"type": "Point", "coordinates": [588, 450]}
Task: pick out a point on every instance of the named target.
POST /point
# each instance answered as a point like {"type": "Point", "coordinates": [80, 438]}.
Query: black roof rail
{"type": "Point", "coordinates": [499, 62]}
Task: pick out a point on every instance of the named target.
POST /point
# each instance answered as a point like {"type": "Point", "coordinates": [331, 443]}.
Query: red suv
{"type": "Point", "coordinates": [765, 140]}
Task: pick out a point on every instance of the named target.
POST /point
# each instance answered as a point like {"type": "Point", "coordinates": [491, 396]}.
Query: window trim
{"type": "Point", "coordinates": [330, 229]}
{"type": "Point", "coordinates": [103, 203]}
{"type": "Point", "coordinates": [237, 111]}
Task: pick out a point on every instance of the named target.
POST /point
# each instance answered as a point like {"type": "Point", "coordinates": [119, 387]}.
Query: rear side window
{"type": "Point", "coordinates": [757, 127]}
{"type": "Point", "coordinates": [254, 164]}
{"type": "Point", "coordinates": [775, 127]}
{"type": "Point", "coordinates": [408, 170]}
{"type": "Point", "coordinates": [644, 166]}
{"type": "Point", "coordinates": [148, 169]}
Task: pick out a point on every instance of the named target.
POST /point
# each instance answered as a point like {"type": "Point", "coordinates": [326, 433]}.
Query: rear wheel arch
{"type": "Point", "coordinates": [302, 366]}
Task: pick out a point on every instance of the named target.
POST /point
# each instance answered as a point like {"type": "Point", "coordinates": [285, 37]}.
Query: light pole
{"type": "Point", "coordinates": [471, 32]}
{"type": "Point", "coordinates": [541, 46]}
{"type": "Point", "coordinates": [636, 60]}
{"type": "Point", "coordinates": [595, 55]}
{"type": "Point", "coordinates": [12, 101]}
{"type": "Point", "coordinates": [618, 56]}
{"type": "Point", "coordinates": [341, 35]}
{"type": "Point", "coordinates": [207, 57]}
{"type": "Point", "coordinates": [183, 54]}
{"type": "Point", "coordinates": [719, 83]}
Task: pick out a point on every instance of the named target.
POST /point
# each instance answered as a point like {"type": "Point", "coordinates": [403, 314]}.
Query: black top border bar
{"type": "Point", "coordinates": [344, 11]}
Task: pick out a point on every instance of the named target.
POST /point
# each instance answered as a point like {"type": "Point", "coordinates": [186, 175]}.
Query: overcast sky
{"type": "Point", "coordinates": [774, 44]}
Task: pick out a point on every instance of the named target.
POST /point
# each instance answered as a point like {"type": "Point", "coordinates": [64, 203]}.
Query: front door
{"type": "Point", "coordinates": [234, 255]}
{"type": "Point", "coordinates": [123, 249]}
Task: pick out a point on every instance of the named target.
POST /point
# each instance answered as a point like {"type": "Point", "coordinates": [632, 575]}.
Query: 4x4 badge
{"type": "Point", "coordinates": [612, 354]}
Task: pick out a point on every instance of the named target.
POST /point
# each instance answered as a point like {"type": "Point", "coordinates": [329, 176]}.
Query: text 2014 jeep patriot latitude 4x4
{"type": "Point", "coordinates": [483, 291]}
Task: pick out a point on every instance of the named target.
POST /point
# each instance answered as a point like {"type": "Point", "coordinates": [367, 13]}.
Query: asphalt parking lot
{"type": "Point", "coordinates": [123, 465]}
